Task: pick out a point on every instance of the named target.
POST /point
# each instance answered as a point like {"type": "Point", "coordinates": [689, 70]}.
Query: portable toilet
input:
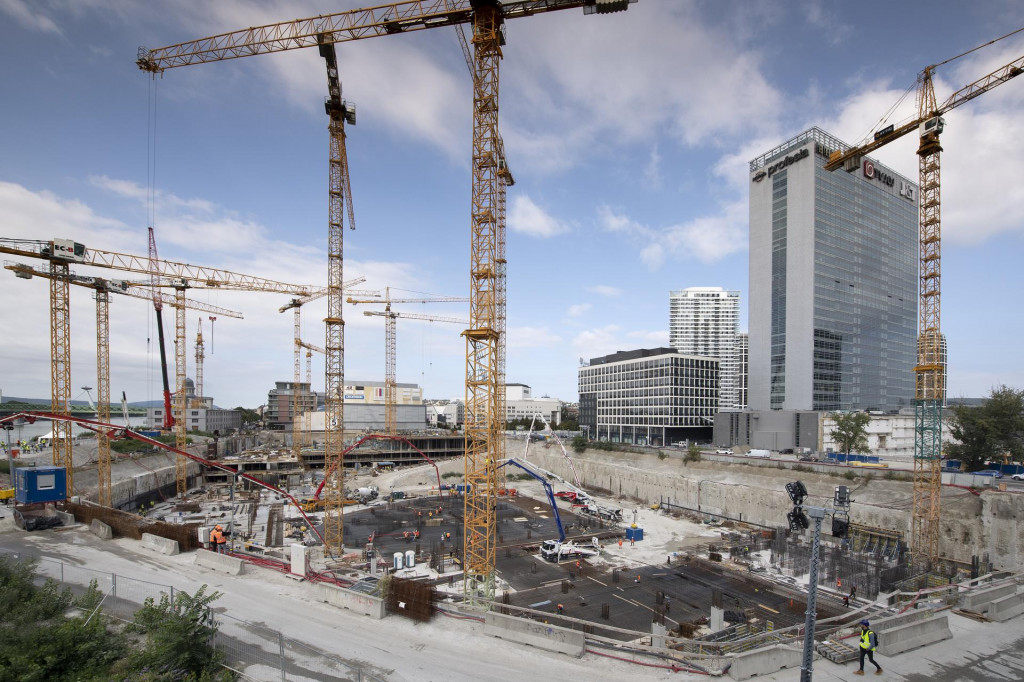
{"type": "Point", "coordinates": [41, 484]}
{"type": "Point", "coordinates": [398, 561]}
{"type": "Point", "coordinates": [410, 559]}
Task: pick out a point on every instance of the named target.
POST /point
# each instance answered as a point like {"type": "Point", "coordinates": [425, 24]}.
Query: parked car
{"type": "Point", "coordinates": [994, 473]}
{"type": "Point", "coordinates": [722, 451]}
{"type": "Point", "coordinates": [808, 458]}
{"type": "Point", "coordinates": [786, 451]}
{"type": "Point", "coordinates": [1018, 477]}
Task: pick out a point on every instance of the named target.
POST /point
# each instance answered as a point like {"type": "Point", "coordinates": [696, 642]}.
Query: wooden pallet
{"type": "Point", "coordinates": [837, 652]}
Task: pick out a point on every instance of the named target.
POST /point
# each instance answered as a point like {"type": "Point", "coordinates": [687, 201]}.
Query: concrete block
{"type": "Point", "coordinates": [764, 661]}
{"type": "Point", "coordinates": [883, 624]}
{"type": "Point", "coordinates": [219, 562]}
{"type": "Point", "coordinates": [541, 635]}
{"type": "Point", "coordinates": [101, 530]}
{"type": "Point", "coordinates": [365, 604]}
{"type": "Point", "coordinates": [300, 559]}
{"type": "Point", "coordinates": [159, 544]}
{"type": "Point", "coordinates": [66, 518]}
{"type": "Point", "coordinates": [978, 600]}
{"type": "Point", "coordinates": [1006, 608]}
{"type": "Point", "coordinates": [913, 635]}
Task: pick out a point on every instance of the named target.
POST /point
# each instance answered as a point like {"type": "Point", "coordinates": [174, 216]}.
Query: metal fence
{"type": "Point", "coordinates": [253, 651]}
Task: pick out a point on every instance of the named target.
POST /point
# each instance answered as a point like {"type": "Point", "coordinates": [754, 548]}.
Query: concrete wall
{"type": "Point", "coordinates": [1006, 608]}
{"type": "Point", "coordinates": [540, 635]}
{"type": "Point", "coordinates": [764, 661]}
{"type": "Point", "coordinates": [219, 562]}
{"type": "Point", "coordinates": [159, 544]}
{"type": "Point", "coordinates": [354, 601]}
{"type": "Point", "coordinates": [972, 525]}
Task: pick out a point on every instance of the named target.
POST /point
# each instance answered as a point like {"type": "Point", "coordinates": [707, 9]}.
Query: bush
{"type": "Point", "coordinates": [452, 474]}
{"type": "Point", "coordinates": [662, 455]}
{"type": "Point", "coordinates": [849, 475]}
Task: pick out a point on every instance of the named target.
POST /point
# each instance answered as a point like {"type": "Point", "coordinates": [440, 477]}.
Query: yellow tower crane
{"type": "Point", "coordinates": [929, 371]}
{"type": "Point", "coordinates": [197, 401]}
{"type": "Point", "coordinates": [181, 276]}
{"type": "Point", "coordinates": [103, 288]}
{"type": "Point", "coordinates": [299, 437]}
{"type": "Point", "coordinates": [390, 343]}
{"type": "Point", "coordinates": [484, 336]}
{"type": "Point", "coordinates": [390, 422]}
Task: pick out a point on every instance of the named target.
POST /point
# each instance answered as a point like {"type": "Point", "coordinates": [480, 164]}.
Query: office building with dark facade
{"type": "Point", "coordinates": [655, 396]}
{"type": "Point", "coordinates": [833, 281]}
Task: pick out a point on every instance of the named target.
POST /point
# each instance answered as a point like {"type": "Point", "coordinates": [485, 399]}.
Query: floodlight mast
{"type": "Point", "coordinates": [798, 521]}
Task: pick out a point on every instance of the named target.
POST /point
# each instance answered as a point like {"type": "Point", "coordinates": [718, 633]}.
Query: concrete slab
{"type": "Point", "coordinates": [978, 600]}
{"type": "Point", "coordinates": [66, 518]}
{"type": "Point", "coordinates": [219, 562]}
{"type": "Point", "coordinates": [159, 544]}
{"type": "Point", "coordinates": [764, 661]}
{"type": "Point", "coordinates": [354, 601]}
{"type": "Point", "coordinates": [541, 635]}
{"type": "Point", "coordinates": [1006, 608]}
{"type": "Point", "coordinates": [101, 530]}
{"type": "Point", "coordinates": [913, 635]}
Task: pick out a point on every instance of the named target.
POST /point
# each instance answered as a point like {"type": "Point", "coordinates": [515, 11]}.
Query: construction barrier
{"type": "Point", "coordinates": [1006, 608]}
{"type": "Point", "coordinates": [159, 544]}
{"type": "Point", "coordinates": [101, 530]}
{"type": "Point", "coordinates": [351, 600]}
{"type": "Point", "coordinates": [541, 635]}
{"type": "Point", "coordinates": [219, 562]}
{"type": "Point", "coordinates": [764, 661]}
{"type": "Point", "coordinates": [979, 600]}
{"type": "Point", "coordinates": [912, 635]}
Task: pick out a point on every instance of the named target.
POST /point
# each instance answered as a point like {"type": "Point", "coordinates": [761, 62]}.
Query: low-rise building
{"type": "Point", "coordinates": [520, 404]}
{"type": "Point", "coordinates": [200, 414]}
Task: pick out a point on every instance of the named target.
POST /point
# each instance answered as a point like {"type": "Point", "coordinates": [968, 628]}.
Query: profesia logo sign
{"type": "Point", "coordinates": [779, 165]}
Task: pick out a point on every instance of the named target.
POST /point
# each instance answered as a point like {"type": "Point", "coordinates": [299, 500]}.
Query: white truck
{"type": "Point", "coordinates": [763, 454]}
{"type": "Point", "coordinates": [555, 551]}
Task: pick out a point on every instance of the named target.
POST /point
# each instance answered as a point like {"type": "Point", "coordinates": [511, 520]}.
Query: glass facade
{"type": "Point", "coordinates": [648, 396]}
{"type": "Point", "coordinates": [833, 277]}
{"type": "Point", "coordinates": [865, 294]}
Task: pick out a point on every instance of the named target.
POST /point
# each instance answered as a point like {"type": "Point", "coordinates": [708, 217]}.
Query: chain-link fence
{"type": "Point", "coordinates": [253, 651]}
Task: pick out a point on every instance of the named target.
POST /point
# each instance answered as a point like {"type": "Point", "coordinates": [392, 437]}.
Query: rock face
{"type": "Point", "coordinates": [991, 523]}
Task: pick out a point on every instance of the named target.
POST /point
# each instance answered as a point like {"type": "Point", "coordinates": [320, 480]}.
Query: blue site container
{"type": "Point", "coordinates": [635, 534]}
{"type": "Point", "coordinates": [41, 484]}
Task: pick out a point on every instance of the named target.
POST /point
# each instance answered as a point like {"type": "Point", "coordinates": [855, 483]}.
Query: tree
{"type": "Point", "coordinates": [987, 432]}
{"type": "Point", "coordinates": [248, 416]}
{"type": "Point", "coordinates": [179, 636]}
{"type": "Point", "coordinates": [693, 453]}
{"type": "Point", "coordinates": [850, 432]}
{"type": "Point", "coordinates": [579, 443]}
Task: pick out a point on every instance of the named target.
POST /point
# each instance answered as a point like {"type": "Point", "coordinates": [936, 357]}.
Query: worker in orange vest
{"type": "Point", "coordinates": [217, 539]}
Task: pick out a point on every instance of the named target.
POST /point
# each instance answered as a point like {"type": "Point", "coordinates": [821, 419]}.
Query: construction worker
{"type": "Point", "coordinates": [416, 534]}
{"type": "Point", "coordinates": [868, 644]}
{"type": "Point", "coordinates": [560, 609]}
{"type": "Point", "coordinates": [218, 540]}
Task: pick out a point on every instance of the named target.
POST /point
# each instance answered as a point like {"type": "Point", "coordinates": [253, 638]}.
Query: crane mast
{"type": "Point", "coordinates": [485, 354]}
{"type": "Point", "coordinates": [929, 372]}
{"type": "Point", "coordinates": [200, 355]}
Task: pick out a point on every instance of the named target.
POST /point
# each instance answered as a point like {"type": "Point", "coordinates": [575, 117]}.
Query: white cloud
{"type": "Point", "coordinates": [578, 309]}
{"type": "Point", "coordinates": [650, 339]}
{"type": "Point", "coordinates": [705, 238]}
{"type": "Point", "coordinates": [532, 337]}
{"type": "Point", "coordinates": [652, 172]}
{"type": "Point", "coordinates": [530, 219]}
{"type": "Point", "coordinates": [27, 17]}
{"type": "Point", "coordinates": [605, 290]}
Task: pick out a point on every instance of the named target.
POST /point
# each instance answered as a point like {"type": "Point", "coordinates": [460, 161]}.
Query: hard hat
{"type": "Point", "coordinates": [865, 623]}
{"type": "Point", "coordinates": [219, 527]}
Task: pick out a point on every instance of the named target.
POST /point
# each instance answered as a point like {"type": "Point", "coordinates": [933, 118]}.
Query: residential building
{"type": "Point", "coordinates": [705, 321]}
{"type": "Point", "coordinates": [654, 396]}
{"type": "Point", "coordinates": [280, 408]}
{"type": "Point", "coordinates": [833, 281]}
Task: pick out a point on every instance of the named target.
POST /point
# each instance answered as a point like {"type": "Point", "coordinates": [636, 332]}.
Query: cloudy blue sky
{"type": "Point", "coordinates": [629, 137]}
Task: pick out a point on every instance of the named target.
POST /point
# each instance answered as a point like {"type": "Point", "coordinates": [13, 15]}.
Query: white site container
{"type": "Point", "coordinates": [398, 561]}
{"type": "Point", "coordinates": [410, 559]}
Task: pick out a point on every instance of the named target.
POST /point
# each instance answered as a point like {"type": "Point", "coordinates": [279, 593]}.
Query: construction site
{"type": "Point", "coordinates": [389, 553]}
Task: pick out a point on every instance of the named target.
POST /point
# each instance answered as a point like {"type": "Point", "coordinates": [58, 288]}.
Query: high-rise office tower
{"type": "Point", "coordinates": [704, 321]}
{"type": "Point", "coordinates": [833, 281]}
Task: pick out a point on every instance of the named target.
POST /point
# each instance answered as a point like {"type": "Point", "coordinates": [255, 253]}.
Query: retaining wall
{"type": "Point", "coordinates": [541, 635]}
{"type": "Point", "coordinates": [972, 525]}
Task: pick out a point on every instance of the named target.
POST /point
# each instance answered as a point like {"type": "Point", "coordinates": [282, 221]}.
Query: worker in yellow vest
{"type": "Point", "coordinates": [868, 644]}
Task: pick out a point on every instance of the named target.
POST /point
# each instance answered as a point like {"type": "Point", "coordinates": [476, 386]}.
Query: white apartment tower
{"type": "Point", "coordinates": [705, 321]}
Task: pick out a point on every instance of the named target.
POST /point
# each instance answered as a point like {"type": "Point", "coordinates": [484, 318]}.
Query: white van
{"type": "Point", "coordinates": [763, 454]}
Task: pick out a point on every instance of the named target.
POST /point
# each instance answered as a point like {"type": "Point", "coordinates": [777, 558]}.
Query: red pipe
{"type": "Point", "coordinates": [379, 436]}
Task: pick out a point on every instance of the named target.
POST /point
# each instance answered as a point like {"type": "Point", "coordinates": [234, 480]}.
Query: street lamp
{"type": "Point", "coordinates": [798, 521]}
